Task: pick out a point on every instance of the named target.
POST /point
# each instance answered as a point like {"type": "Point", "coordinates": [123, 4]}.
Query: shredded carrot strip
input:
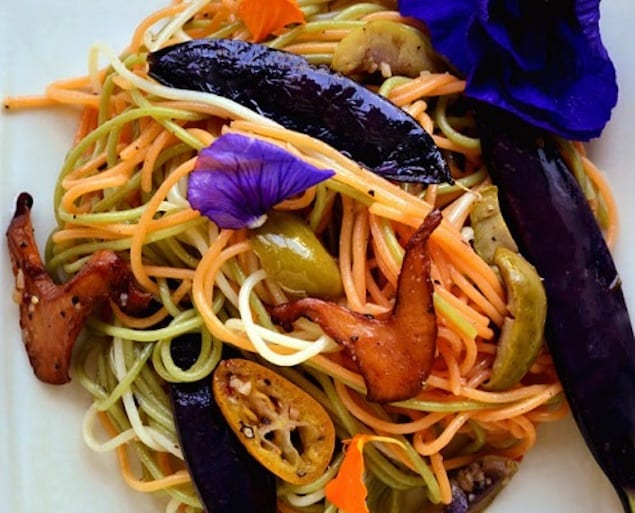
{"type": "Point", "coordinates": [454, 373]}
{"type": "Point", "coordinates": [476, 296]}
{"type": "Point", "coordinates": [460, 461]}
{"type": "Point", "coordinates": [438, 467]}
{"type": "Point", "coordinates": [416, 108]}
{"type": "Point", "coordinates": [118, 230]}
{"type": "Point", "coordinates": [521, 407]}
{"type": "Point", "coordinates": [97, 184]}
{"type": "Point", "coordinates": [371, 420]}
{"type": "Point", "coordinates": [353, 294]}
{"type": "Point", "coordinates": [160, 141]}
{"type": "Point", "coordinates": [143, 225]}
{"type": "Point", "coordinates": [70, 234]}
{"type": "Point", "coordinates": [175, 273]}
{"type": "Point", "coordinates": [524, 431]}
{"type": "Point", "coordinates": [468, 262]}
{"type": "Point", "coordinates": [427, 84]}
{"type": "Point", "coordinates": [470, 349]}
{"type": "Point", "coordinates": [385, 260]}
{"type": "Point", "coordinates": [549, 414]}
{"type": "Point", "coordinates": [149, 134]}
{"type": "Point", "coordinates": [87, 122]}
{"type": "Point", "coordinates": [312, 48]}
{"type": "Point", "coordinates": [203, 285]}
{"type": "Point", "coordinates": [426, 448]}
{"type": "Point", "coordinates": [452, 338]}
{"type": "Point", "coordinates": [88, 168]}
{"type": "Point", "coordinates": [303, 200]}
{"type": "Point", "coordinates": [360, 246]}
{"type": "Point", "coordinates": [72, 97]}
{"type": "Point", "coordinates": [28, 102]}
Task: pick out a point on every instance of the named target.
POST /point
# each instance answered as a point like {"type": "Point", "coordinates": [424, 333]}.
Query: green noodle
{"type": "Point", "coordinates": [468, 143]}
{"type": "Point", "coordinates": [186, 322]}
{"type": "Point", "coordinates": [463, 183]}
{"type": "Point", "coordinates": [125, 383]}
{"type": "Point", "coordinates": [391, 239]}
{"type": "Point", "coordinates": [116, 245]}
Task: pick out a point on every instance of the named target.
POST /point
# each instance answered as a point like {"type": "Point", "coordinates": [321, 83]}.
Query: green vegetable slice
{"type": "Point", "coordinates": [523, 332]}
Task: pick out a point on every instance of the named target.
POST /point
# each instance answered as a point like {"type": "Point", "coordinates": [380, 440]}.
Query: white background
{"type": "Point", "coordinates": [44, 465]}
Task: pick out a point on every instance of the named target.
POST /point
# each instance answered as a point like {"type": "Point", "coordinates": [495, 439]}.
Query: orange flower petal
{"type": "Point", "coordinates": [270, 17]}
{"type": "Point", "coordinates": [348, 491]}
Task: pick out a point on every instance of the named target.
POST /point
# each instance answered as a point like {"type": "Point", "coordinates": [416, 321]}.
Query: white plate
{"type": "Point", "coordinates": [44, 465]}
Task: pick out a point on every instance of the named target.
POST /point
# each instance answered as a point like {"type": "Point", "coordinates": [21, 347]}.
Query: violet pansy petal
{"type": "Point", "coordinates": [448, 22]}
{"type": "Point", "coordinates": [543, 61]}
{"type": "Point", "coordinates": [572, 94]}
{"type": "Point", "coordinates": [587, 13]}
{"type": "Point", "coordinates": [238, 179]}
{"type": "Point", "coordinates": [518, 31]}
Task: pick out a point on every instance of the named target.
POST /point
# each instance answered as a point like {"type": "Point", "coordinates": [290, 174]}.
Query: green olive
{"type": "Point", "coordinates": [291, 254]}
{"type": "Point", "coordinates": [385, 46]}
{"type": "Point", "coordinates": [490, 230]}
{"type": "Point", "coordinates": [522, 333]}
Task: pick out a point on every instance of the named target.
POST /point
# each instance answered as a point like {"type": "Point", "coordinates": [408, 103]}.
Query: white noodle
{"type": "Point", "coordinates": [88, 431]}
{"type": "Point", "coordinates": [261, 337]}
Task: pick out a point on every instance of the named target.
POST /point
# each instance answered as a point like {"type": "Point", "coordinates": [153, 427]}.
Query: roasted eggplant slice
{"type": "Point", "coordinates": [475, 487]}
{"type": "Point", "coordinates": [313, 100]}
{"type": "Point", "coordinates": [588, 329]}
{"type": "Point", "coordinates": [225, 475]}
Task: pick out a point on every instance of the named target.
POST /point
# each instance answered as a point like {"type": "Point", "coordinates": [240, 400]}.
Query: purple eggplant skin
{"type": "Point", "coordinates": [588, 330]}
{"type": "Point", "coordinates": [226, 477]}
{"type": "Point", "coordinates": [314, 100]}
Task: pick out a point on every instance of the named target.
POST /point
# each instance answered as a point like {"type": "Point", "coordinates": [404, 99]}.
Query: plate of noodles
{"type": "Point", "coordinates": [56, 454]}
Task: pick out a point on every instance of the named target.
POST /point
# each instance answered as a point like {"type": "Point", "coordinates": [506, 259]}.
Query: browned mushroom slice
{"type": "Point", "coordinates": [51, 315]}
{"type": "Point", "coordinates": [394, 354]}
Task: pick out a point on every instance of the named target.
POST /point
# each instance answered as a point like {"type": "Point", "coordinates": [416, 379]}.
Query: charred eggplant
{"type": "Point", "coordinates": [475, 487]}
{"type": "Point", "coordinates": [226, 477]}
{"type": "Point", "coordinates": [588, 329]}
{"type": "Point", "coordinates": [314, 100]}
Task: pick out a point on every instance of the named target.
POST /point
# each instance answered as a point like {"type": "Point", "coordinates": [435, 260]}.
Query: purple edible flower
{"type": "Point", "coordinates": [542, 60]}
{"type": "Point", "coordinates": [238, 179]}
